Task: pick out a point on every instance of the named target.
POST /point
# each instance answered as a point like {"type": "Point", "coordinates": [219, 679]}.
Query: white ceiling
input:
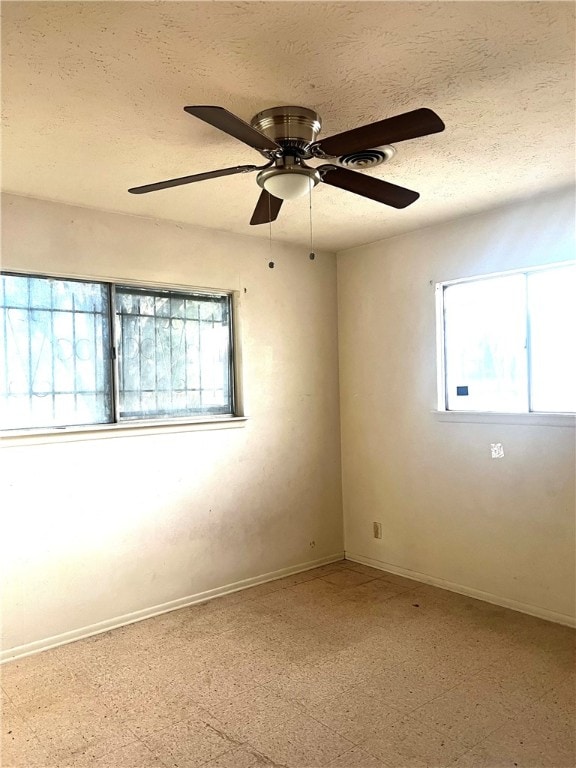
{"type": "Point", "coordinates": [93, 95]}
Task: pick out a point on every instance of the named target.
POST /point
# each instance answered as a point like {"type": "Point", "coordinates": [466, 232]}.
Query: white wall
{"type": "Point", "coordinates": [95, 529]}
{"type": "Point", "coordinates": [502, 529]}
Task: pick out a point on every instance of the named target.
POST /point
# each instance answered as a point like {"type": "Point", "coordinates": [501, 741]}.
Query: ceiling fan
{"type": "Point", "coordinates": [286, 137]}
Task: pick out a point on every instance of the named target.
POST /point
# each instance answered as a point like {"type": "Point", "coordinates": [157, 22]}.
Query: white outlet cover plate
{"type": "Point", "coordinates": [497, 450]}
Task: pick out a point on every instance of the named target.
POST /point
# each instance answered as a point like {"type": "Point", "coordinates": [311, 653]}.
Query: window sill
{"type": "Point", "coordinates": [523, 419]}
{"type": "Point", "coordinates": [125, 429]}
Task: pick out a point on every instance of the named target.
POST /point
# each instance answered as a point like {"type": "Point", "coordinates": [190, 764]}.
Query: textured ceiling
{"type": "Point", "coordinates": [93, 95]}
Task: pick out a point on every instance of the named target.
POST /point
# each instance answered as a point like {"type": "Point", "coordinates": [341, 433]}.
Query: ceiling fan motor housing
{"type": "Point", "coordinates": [295, 127]}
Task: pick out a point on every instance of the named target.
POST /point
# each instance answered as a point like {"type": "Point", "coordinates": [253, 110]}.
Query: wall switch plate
{"type": "Point", "coordinates": [497, 450]}
{"type": "Point", "coordinates": [377, 530]}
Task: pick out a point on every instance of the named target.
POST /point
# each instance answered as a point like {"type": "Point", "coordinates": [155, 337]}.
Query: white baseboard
{"type": "Point", "coordinates": [488, 597]}
{"type": "Point", "coordinates": [37, 646]}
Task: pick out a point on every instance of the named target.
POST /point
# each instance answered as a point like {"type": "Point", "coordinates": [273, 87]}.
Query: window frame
{"type": "Point", "coordinates": [118, 427]}
{"type": "Point", "coordinates": [544, 418]}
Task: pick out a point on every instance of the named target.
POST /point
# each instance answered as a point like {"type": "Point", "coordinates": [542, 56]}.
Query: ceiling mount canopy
{"type": "Point", "coordinates": [295, 127]}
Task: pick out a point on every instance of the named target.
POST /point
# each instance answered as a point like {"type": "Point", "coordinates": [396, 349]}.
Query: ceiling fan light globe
{"type": "Point", "coordinates": [288, 183]}
{"type": "Point", "coordinates": [288, 186]}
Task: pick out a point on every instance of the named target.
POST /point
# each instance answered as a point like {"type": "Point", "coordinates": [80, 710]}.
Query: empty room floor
{"type": "Point", "coordinates": [343, 666]}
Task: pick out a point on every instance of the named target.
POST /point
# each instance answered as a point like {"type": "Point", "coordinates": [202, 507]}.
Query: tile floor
{"type": "Point", "coordinates": [343, 666]}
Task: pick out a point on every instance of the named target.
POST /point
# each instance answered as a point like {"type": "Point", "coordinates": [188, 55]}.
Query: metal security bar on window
{"type": "Point", "coordinates": [63, 363]}
{"type": "Point", "coordinates": [54, 353]}
{"type": "Point", "coordinates": [174, 353]}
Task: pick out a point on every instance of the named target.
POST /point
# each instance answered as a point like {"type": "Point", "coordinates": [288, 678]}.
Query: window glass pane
{"type": "Point", "coordinates": [54, 360]}
{"type": "Point", "coordinates": [174, 354]}
{"type": "Point", "coordinates": [485, 345]}
{"type": "Point", "coordinates": [552, 307]}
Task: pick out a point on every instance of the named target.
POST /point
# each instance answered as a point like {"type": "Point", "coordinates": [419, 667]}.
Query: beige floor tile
{"type": "Point", "coordinates": [318, 620]}
{"type": "Point", "coordinates": [144, 707]}
{"type": "Point", "coordinates": [36, 681]}
{"type": "Point", "coordinates": [392, 578]}
{"type": "Point", "coordinates": [554, 715]}
{"type": "Point", "coordinates": [136, 755]}
{"type": "Point", "coordinates": [398, 615]}
{"type": "Point", "coordinates": [376, 573]}
{"type": "Point", "coordinates": [35, 666]}
{"type": "Point", "coordinates": [255, 669]}
{"type": "Point", "coordinates": [356, 758]}
{"type": "Point", "coordinates": [281, 600]}
{"type": "Point", "coordinates": [258, 711]}
{"type": "Point", "coordinates": [411, 684]}
{"type": "Point", "coordinates": [8, 710]}
{"type": "Point", "coordinates": [243, 757]}
{"type": "Point", "coordinates": [519, 750]}
{"type": "Point", "coordinates": [550, 669]}
{"type": "Point", "coordinates": [365, 660]}
{"type": "Point", "coordinates": [562, 696]}
{"type": "Point", "coordinates": [556, 639]}
{"type": "Point", "coordinates": [373, 592]}
{"type": "Point", "coordinates": [468, 715]}
{"type": "Point", "coordinates": [132, 755]}
{"type": "Point", "coordinates": [205, 620]}
{"type": "Point", "coordinates": [20, 747]}
{"type": "Point", "coordinates": [261, 590]}
{"type": "Point", "coordinates": [455, 656]}
{"type": "Point", "coordinates": [361, 568]}
{"type": "Point", "coordinates": [77, 724]}
{"type": "Point", "coordinates": [213, 686]}
{"type": "Point", "coordinates": [300, 742]}
{"type": "Point", "coordinates": [240, 617]}
{"type": "Point", "coordinates": [311, 686]}
{"type": "Point", "coordinates": [273, 641]}
{"type": "Point", "coordinates": [355, 714]}
{"type": "Point", "coordinates": [188, 744]}
{"type": "Point", "coordinates": [532, 676]}
{"type": "Point", "coordinates": [298, 578]}
{"type": "Point", "coordinates": [268, 587]}
{"type": "Point", "coordinates": [317, 592]}
{"type": "Point", "coordinates": [472, 649]}
{"type": "Point", "coordinates": [301, 650]}
{"type": "Point", "coordinates": [410, 745]}
{"type": "Point", "coordinates": [138, 664]}
{"type": "Point", "coordinates": [330, 568]}
{"type": "Point", "coordinates": [346, 577]}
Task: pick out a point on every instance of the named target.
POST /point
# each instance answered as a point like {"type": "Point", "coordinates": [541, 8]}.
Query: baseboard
{"type": "Point", "coordinates": [488, 597]}
{"type": "Point", "coordinates": [130, 618]}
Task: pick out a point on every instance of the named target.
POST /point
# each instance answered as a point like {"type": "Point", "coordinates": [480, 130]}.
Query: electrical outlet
{"type": "Point", "coordinates": [377, 527]}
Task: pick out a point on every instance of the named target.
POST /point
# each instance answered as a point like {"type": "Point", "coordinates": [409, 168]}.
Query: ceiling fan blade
{"type": "Point", "coordinates": [368, 186]}
{"type": "Point", "coordinates": [267, 208]}
{"type": "Point", "coordinates": [410, 125]}
{"type": "Point", "coordinates": [190, 179]}
{"type": "Point", "coordinates": [233, 126]}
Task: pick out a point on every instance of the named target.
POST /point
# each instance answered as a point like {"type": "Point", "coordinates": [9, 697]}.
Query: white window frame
{"type": "Point", "coordinates": [143, 426]}
{"type": "Point", "coordinates": [535, 418]}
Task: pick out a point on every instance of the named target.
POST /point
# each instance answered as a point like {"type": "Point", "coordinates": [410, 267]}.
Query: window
{"type": "Point", "coordinates": [84, 353]}
{"type": "Point", "coordinates": [174, 354]}
{"type": "Point", "coordinates": [509, 342]}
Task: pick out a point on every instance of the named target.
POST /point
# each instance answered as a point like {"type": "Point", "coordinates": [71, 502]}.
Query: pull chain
{"type": "Point", "coordinates": [312, 255]}
{"type": "Point", "coordinates": [270, 263]}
